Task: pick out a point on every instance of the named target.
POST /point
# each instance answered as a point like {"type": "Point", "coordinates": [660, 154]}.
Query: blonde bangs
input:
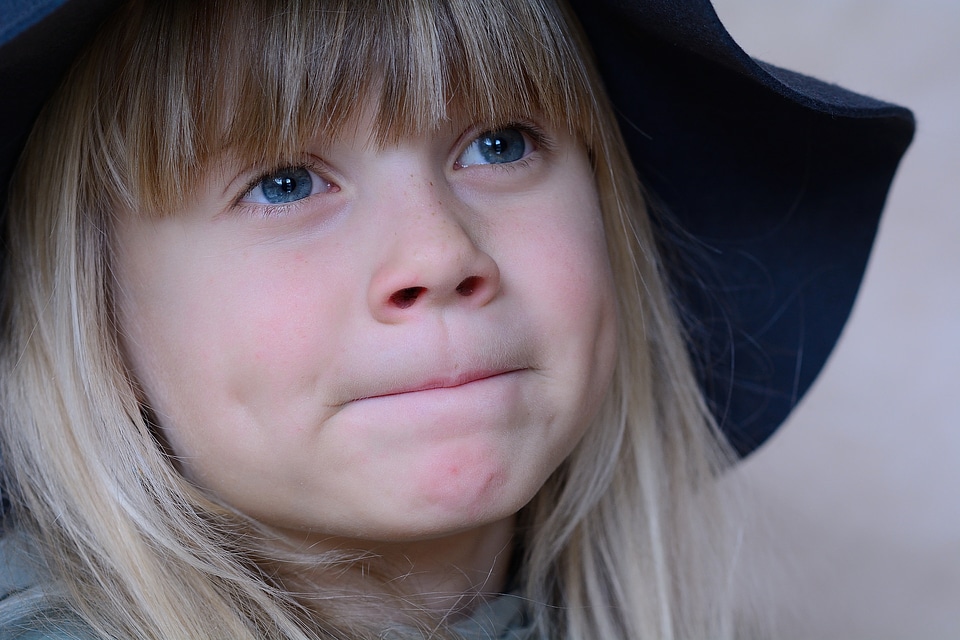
{"type": "Point", "coordinates": [191, 80]}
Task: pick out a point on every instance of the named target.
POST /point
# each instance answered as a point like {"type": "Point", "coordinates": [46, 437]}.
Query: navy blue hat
{"type": "Point", "coordinates": [772, 184]}
{"type": "Point", "coordinates": [766, 186]}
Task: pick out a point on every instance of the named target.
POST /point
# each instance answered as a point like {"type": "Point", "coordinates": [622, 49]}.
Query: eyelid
{"type": "Point", "coordinates": [315, 166]}
{"type": "Point", "coordinates": [537, 135]}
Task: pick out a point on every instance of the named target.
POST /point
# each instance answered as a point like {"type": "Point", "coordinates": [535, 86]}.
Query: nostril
{"type": "Point", "coordinates": [468, 286]}
{"type": "Point", "coordinates": [404, 298]}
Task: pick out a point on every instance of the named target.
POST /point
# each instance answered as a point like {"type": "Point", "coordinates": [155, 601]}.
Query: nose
{"type": "Point", "coordinates": [431, 258]}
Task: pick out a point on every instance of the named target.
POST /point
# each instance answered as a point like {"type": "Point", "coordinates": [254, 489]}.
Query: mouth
{"type": "Point", "coordinates": [443, 382]}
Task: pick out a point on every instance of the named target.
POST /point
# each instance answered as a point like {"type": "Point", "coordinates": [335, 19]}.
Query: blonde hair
{"type": "Point", "coordinates": [625, 540]}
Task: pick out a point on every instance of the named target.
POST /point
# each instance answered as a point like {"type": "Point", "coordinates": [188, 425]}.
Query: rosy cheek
{"type": "Point", "coordinates": [287, 318]}
{"type": "Point", "coordinates": [279, 337]}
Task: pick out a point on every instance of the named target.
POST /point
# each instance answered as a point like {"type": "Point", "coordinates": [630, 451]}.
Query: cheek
{"type": "Point", "coordinates": [222, 344]}
{"type": "Point", "coordinates": [232, 358]}
{"type": "Point", "coordinates": [556, 259]}
{"type": "Point", "coordinates": [564, 261]}
{"type": "Point", "coordinates": [278, 334]}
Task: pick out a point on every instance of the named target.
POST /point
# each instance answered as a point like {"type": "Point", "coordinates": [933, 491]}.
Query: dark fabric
{"type": "Point", "coordinates": [32, 62]}
{"type": "Point", "coordinates": [767, 186]}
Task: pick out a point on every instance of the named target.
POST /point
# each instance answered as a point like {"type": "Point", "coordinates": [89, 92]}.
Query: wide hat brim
{"type": "Point", "coordinates": [766, 186]}
{"type": "Point", "coordinates": [772, 184]}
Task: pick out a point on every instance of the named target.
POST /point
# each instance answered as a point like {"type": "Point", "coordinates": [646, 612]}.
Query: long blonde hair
{"type": "Point", "coordinates": [625, 540]}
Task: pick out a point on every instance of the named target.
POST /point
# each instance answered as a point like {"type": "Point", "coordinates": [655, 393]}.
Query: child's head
{"type": "Point", "coordinates": [295, 290]}
{"type": "Point", "coordinates": [262, 229]}
{"type": "Point", "coordinates": [290, 318]}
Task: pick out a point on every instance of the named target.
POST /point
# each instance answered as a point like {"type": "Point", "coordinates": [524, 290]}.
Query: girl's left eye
{"type": "Point", "coordinates": [284, 186]}
{"type": "Point", "coordinates": [502, 146]}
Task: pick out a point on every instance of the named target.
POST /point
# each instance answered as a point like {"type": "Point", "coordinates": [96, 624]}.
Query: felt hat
{"type": "Point", "coordinates": [766, 185]}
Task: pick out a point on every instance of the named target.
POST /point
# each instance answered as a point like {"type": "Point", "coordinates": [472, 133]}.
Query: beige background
{"type": "Point", "coordinates": [856, 501]}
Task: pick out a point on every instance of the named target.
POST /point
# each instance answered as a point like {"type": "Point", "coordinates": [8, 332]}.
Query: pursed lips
{"type": "Point", "coordinates": [443, 382]}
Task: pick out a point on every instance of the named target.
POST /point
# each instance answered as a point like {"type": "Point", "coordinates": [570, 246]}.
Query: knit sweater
{"type": "Point", "coordinates": [24, 616]}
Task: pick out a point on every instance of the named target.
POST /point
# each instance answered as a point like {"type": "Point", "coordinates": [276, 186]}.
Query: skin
{"type": "Point", "coordinates": [395, 363]}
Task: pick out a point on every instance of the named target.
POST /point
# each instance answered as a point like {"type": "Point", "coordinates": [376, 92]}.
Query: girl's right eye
{"type": "Point", "coordinates": [284, 186]}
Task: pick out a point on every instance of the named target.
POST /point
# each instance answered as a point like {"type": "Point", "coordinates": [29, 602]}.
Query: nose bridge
{"type": "Point", "coordinates": [431, 256]}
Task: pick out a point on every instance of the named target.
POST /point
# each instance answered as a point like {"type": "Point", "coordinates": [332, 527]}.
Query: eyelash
{"type": "Point", "coordinates": [316, 168]}
{"type": "Point", "coordinates": [539, 138]}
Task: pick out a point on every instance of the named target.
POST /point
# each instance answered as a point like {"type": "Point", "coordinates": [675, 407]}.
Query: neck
{"type": "Point", "coordinates": [447, 576]}
{"type": "Point", "coordinates": [455, 573]}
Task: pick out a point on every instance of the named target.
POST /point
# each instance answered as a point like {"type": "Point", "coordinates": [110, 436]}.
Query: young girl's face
{"type": "Point", "coordinates": [380, 341]}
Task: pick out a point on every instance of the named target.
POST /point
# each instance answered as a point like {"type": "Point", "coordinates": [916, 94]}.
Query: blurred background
{"type": "Point", "coordinates": [854, 506]}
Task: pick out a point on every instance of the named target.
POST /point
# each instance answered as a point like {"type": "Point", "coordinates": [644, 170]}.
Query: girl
{"type": "Point", "coordinates": [345, 319]}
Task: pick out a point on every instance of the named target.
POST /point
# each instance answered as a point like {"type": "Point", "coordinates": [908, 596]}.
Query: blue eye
{"type": "Point", "coordinates": [496, 147]}
{"type": "Point", "coordinates": [284, 186]}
